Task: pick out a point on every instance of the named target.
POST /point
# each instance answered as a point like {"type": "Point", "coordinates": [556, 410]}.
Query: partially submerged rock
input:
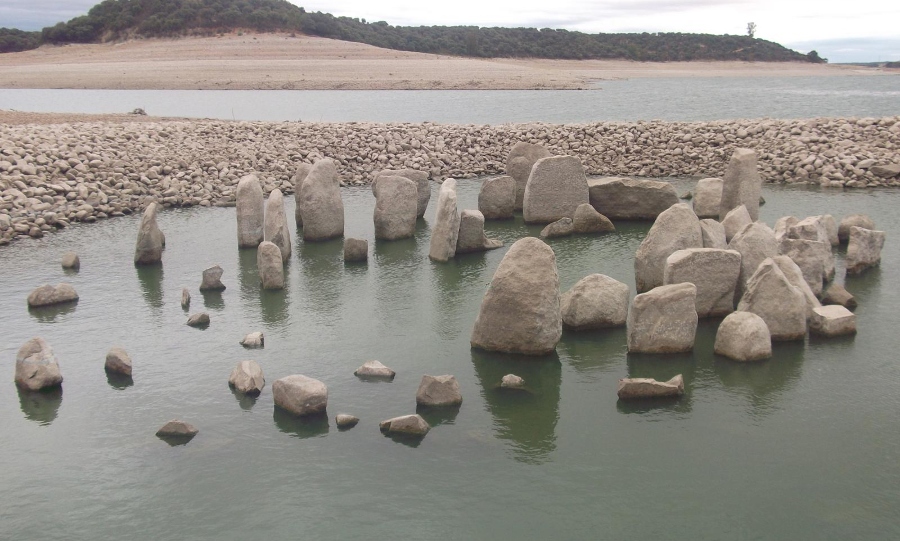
{"type": "Point", "coordinates": [832, 320]}
{"type": "Point", "coordinates": [743, 336]}
{"type": "Point", "coordinates": [247, 377]}
{"type": "Point", "coordinates": [714, 272]}
{"type": "Point", "coordinates": [438, 391]}
{"type": "Point", "coordinates": [212, 279]}
{"type": "Point", "coordinates": [276, 230]}
{"type": "Point", "coordinates": [677, 228]}
{"type": "Point", "coordinates": [250, 210]}
{"type": "Point", "coordinates": [419, 178]}
{"type": "Point", "coordinates": [556, 187]}
{"type": "Point", "coordinates": [48, 295]}
{"type": "Point", "coordinates": [519, 162]}
{"type": "Point", "coordinates": [595, 302]}
{"type": "Point", "coordinates": [708, 197]}
{"type": "Point", "coordinates": [512, 381]}
{"type": "Point", "coordinates": [407, 425]}
{"type": "Point", "coordinates": [560, 228]}
{"type": "Point", "coordinates": [320, 202]}
{"type": "Point", "coordinates": [497, 198]}
{"type": "Point", "coordinates": [299, 177]}
{"type": "Point", "coordinates": [270, 266]}
{"type": "Point", "coordinates": [198, 320]}
{"type": "Point", "coordinates": [118, 362]}
{"type": "Point", "coordinates": [356, 250]}
{"type": "Point", "coordinates": [374, 370]}
{"type": "Point", "coordinates": [471, 234]}
{"type": "Point", "coordinates": [837, 294]}
{"type": "Point", "coordinates": [741, 184]}
{"type": "Point", "coordinates": [185, 298]}
{"type": "Point", "coordinates": [854, 220]}
{"type": "Point", "coordinates": [395, 208]}
{"type": "Point", "coordinates": [663, 320]}
{"type": "Point", "coordinates": [445, 231]}
{"type": "Point", "coordinates": [772, 297]}
{"type": "Point", "coordinates": [150, 240]}
{"type": "Point", "coordinates": [588, 220]}
{"type": "Point", "coordinates": [637, 388]}
{"type": "Point", "coordinates": [343, 420]}
{"type": "Point", "coordinates": [863, 249]}
{"type": "Point", "coordinates": [71, 261]}
{"type": "Point", "coordinates": [254, 340]}
{"type": "Point", "coordinates": [36, 366]}
{"type": "Point", "coordinates": [300, 395]}
{"type": "Point", "coordinates": [631, 199]}
{"type": "Point", "coordinates": [177, 429]}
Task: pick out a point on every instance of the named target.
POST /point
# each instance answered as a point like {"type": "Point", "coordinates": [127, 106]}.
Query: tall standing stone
{"type": "Point", "coordinates": [395, 208]}
{"type": "Point", "coordinates": [299, 177]}
{"type": "Point", "coordinates": [556, 187]}
{"type": "Point", "coordinates": [445, 232]}
{"type": "Point", "coordinates": [795, 277]}
{"type": "Point", "coordinates": [734, 221]}
{"type": "Point", "coordinates": [520, 310]}
{"type": "Point", "coordinates": [149, 246]}
{"type": "Point", "coordinates": [742, 184]}
{"type": "Point", "coordinates": [595, 302]}
{"type": "Point", "coordinates": [714, 272]}
{"type": "Point", "coordinates": [519, 163]}
{"type": "Point", "coordinates": [707, 197]}
{"type": "Point", "coordinates": [781, 305]}
{"type": "Point", "coordinates": [419, 178]}
{"type": "Point", "coordinates": [677, 228]}
{"type": "Point", "coordinates": [755, 242]}
{"type": "Point", "coordinates": [321, 204]}
{"type": "Point", "coordinates": [276, 229]}
{"type": "Point", "coordinates": [864, 249]}
{"type": "Point", "coordinates": [270, 266]}
{"type": "Point", "coordinates": [250, 209]}
{"type": "Point", "coordinates": [814, 258]}
{"type": "Point", "coordinates": [663, 320]}
{"type": "Point", "coordinates": [497, 198]}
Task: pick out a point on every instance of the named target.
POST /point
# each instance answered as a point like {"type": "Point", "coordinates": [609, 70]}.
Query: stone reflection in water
{"type": "Point", "coordinates": [866, 287]}
{"type": "Point", "coordinates": [151, 280]}
{"type": "Point", "coordinates": [450, 281]}
{"type": "Point", "coordinates": [321, 266]}
{"type": "Point", "coordinates": [765, 382]}
{"type": "Point", "coordinates": [275, 305]}
{"type": "Point", "coordinates": [118, 381]}
{"type": "Point", "coordinates": [526, 418]}
{"type": "Point", "coordinates": [248, 279]}
{"type": "Point", "coordinates": [308, 426]}
{"type": "Point", "coordinates": [583, 349]}
{"type": "Point", "coordinates": [41, 406]}
{"type": "Point", "coordinates": [246, 402]}
{"type": "Point", "coordinates": [396, 264]}
{"type": "Point", "coordinates": [53, 312]}
{"type": "Point", "coordinates": [213, 300]}
{"type": "Point", "coordinates": [438, 416]}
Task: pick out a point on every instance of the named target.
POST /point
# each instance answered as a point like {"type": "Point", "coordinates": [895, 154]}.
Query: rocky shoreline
{"type": "Point", "coordinates": [55, 174]}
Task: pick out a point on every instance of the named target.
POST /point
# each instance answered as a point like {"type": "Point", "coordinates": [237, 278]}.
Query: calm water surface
{"type": "Point", "coordinates": [674, 99]}
{"type": "Point", "coordinates": [803, 446]}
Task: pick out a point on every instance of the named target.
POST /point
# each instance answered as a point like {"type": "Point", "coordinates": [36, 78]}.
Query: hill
{"type": "Point", "coordinates": [126, 19]}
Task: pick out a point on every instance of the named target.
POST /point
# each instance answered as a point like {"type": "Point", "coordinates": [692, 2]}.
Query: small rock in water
{"type": "Point", "coordinates": [560, 228]}
{"type": "Point", "coordinates": [635, 388]}
{"type": "Point", "coordinates": [118, 362]}
{"type": "Point", "coordinates": [47, 295]}
{"type": "Point", "coordinates": [254, 340]}
{"type": "Point", "coordinates": [832, 320]}
{"type": "Point", "coordinates": [374, 369]}
{"type": "Point", "coordinates": [743, 336]}
{"type": "Point", "coordinates": [198, 320]}
{"type": "Point", "coordinates": [247, 377]}
{"type": "Point", "coordinates": [71, 261]}
{"type": "Point", "coordinates": [410, 425]}
{"type": "Point", "coordinates": [185, 298]}
{"type": "Point", "coordinates": [300, 395]}
{"type": "Point", "coordinates": [36, 366]}
{"type": "Point", "coordinates": [588, 220]}
{"type": "Point", "coordinates": [177, 429]}
{"type": "Point", "coordinates": [355, 250]}
{"type": "Point", "coordinates": [512, 381]}
{"type": "Point", "coordinates": [346, 421]}
{"type": "Point", "coordinates": [837, 294]}
{"type": "Point", "coordinates": [438, 391]}
{"type": "Point", "coordinates": [212, 279]}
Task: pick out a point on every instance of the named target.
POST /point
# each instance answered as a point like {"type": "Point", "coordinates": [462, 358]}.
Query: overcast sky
{"type": "Point", "coordinates": [842, 31]}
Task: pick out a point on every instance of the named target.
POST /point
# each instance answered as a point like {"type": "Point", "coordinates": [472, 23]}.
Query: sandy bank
{"type": "Point", "coordinates": [279, 61]}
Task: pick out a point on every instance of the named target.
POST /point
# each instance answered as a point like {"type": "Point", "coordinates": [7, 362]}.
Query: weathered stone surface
{"type": "Point", "coordinates": [714, 272]}
{"type": "Point", "coordinates": [560, 228]}
{"type": "Point", "coordinates": [299, 177]}
{"type": "Point", "coordinates": [71, 261]}
{"type": "Point", "coordinates": [588, 220]}
{"type": "Point", "coordinates": [890, 170]}
{"type": "Point", "coordinates": [512, 381]}
{"type": "Point", "coordinates": [36, 366]}
{"type": "Point", "coordinates": [637, 388]}
{"type": "Point", "coordinates": [47, 295]}
{"type": "Point", "coordinates": [713, 233]}
{"type": "Point", "coordinates": [343, 420]}
{"type": "Point", "coordinates": [864, 249]}
{"type": "Point", "coordinates": [782, 225]}
{"type": "Point", "coordinates": [445, 231]}
{"type": "Point", "coordinates": [736, 219]}
{"type": "Point", "coordinates": [519, 163]}
{"type": "Point", "coordinates": [419, 178]}
{"type": "Point", "coordinates": [854, 220]}
{"type": "Point", "coordinates": [772, 297]}
{"type": "Point", "coordinates": [212, 279]}
{"type": "Point", "coordinates": [836, 294]}
{"type": "Point", "coordinates": [810, 228]}
{"type": "Point", "coordinates": [743, 336]}
{"type": "Point", "coordinates": [300, 395]}
{"type": "Point", "coordinates": [270, 266]}
{"type": "Point", "coordinates": [520, 310]}
{"type": "Point", "coordinates": [356, 250]}
{"type": "Point", "coordinates": [177, 429]}
{"type": "Point", "coordinates": [794, 276]}
{"type": "Point", "coordinates": [276, 230]}
{"type": "Point", "coordinates": [708, 197]}
{"type": "Point", "coordinates": [497, 198]}
{"type": "Point", "coordinates": [832, 320]}
{"type": "Point", "coordinates": [118, 362]}
{"type": "Point", "coordinates": [395, 208]}
{"type": "Point", "coordinates": [663, 320]}
{"type": "Point", "coordinates": [150, 241]}
{"type": "Point", "coordinates": [247, 377]}
{"type": "Point", "coordinates": [677, 228]}
{"type": "Point", "coordinates": [254, 340]}
{"type": "Point", "coordinates": [471, 236]}
{"type": "Point", "coordinates": [831, 228]}
{"type": "Point", "coordinates": [814, 259]}
{"type": "Point", "coordinates": [631, 199]}
{"type": "Point", "coordinates": [438, 391]}
{"type": "Point", "coordinates": [755, 242]}
{"type": "Point", "coordinates": [556, 187]}
{"type": "Point", "coordinates": [375, 370]}
{"type": "Point", "coordinates": [741, 184]}
{"type": "Point", "coordinates": [320, 202]}
{"type": "Point", "coordinates": [185, 298]}
{"type": "Point", "coordinates": [408, 425]}
{"type": "Point", "coordinates": [198, 320]}
{"type": "Point", "coordinates": [250, 209]}
{"type": "Point", "coordinates": [595, 302]}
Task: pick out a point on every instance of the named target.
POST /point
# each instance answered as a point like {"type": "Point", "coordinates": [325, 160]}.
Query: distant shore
{"type": "Point", "coordinates": [280, 61]}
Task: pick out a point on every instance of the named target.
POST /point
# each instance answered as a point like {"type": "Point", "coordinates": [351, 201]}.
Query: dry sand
{"type": "Point", "coordinates": [279, 61]}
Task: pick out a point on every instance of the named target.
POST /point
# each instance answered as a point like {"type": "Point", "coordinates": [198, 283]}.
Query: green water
{"type": "Point", "coordinates": [803, 446]}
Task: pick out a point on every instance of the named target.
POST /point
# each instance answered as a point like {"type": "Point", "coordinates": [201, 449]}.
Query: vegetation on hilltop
{"type": "Point", "coordinates": [13, 40]}
{"type": "Point", "coordinates": [122, 19]}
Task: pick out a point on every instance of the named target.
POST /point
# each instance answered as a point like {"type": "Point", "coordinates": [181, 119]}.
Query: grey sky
{"type": "Point", "coordinates": [863, 30]}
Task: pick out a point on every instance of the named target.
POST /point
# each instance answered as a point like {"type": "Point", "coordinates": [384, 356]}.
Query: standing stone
{"type": "Point", "coordinates": [637, 388]}
{"type": "Point", "coordinates": [831, 228]}
{"type": "Point", "coordinates": [419, 178]}
{"type": "Point", "coordinates": [742, 184]}
{"type": "Point", "coordinates": [783, 225]}
{"type": "Point", "coordinates": [270, 266]}
{"type": "Point", "coordinates": [795, 277]}
{"type": "Point", "coordinates": [837, 294]}
{"type": "Point", "coordinates": [630, 199]}
{"type": "Point", "coordinates": [814, 259]}
{"type": "Point", "coordinates": [781, 305]}
{"type": "Point", "coordinates": [595, 302]}
{"type": "Point", "coordinates": [276, 229]}
{"type": "Point", "coordinates": [118, 362]}
{"type": "Point", "coordinates": [445, 232]}
{"type": "Point", "coordinates": [254, 340]}
{"type": "Point", "coordinates": [520, 310]}
{"type": "Point", "coordinates": [71, 261]}
{"type": "Point", "coordinates": [714, 272]}
{"type": "Point", "coordinates": [212, 279]}
{"type": "Point", "coordinates": [663, 320]}
{"type": "Point", "coordinates": [395, 208]}
{"type": "Point", "coordinates": [832, 320]}
{"type": "Point", "coordinates": [185, 298]}
{"type": "Point", "coordinates": [755, 242]}
{"type": "Point", "coordinates": [438, 391]}
{"type": "Point", "coordinates": [864, 249]}
{"type": "Point", "coordinates": [247, 377]}
{"type": "Point", "coordinates": [735, 220]}
{"type": "Point", "coordinates": [588, 220]}
{"type": "Point", "coordinates": [149, 246]}
{"type": "Point", "coordinates": [556, 187]}
{"type": "Point", "coordinates": [854, 220]}
{"type": "Point", "coordinates": [743, 336]}
{"type": "Point", "coordinates": [471, 234]}
{"type": "Point", "coordinates": [321, 204]}
{"type": "Point", "coordinates": [713, 233]}
{"type": "Point", "coordinates": [48, 295]}
{"type": "Point", "coordinates": [300, 395]}
{"type": "Point", "coordinates": [811, 228]}
{"type": "Point", "coordinates": [250, 209]}
{"type": "Point", "coordinates": [497, 198]}
{"type": "Point", "coordinates": [519, 163]}
{"type": "Point", "coordinates": [36, 366]}
{"type": "Point", "coordinates": [675, 229]}
{"type": "Point", "coordinates": [356, 250]}
{"type": "Point", "coordinates": [560, 228]}
{"type": "Point", "coordinates": [299, 177]}
{"type": "Point", "coordinates": [708, 198]}
{"type": "Point", "coordinates": [407, 425]}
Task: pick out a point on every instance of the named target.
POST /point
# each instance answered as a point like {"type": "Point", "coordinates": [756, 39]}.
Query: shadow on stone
{"type": "Point", "coordinates": [41, 407]}
{"type": "Point", "coordinates": [213, 300]}
{"type": "Point", "coordinates": [118, 381]}
{"type": "Point", "coordinates": [309, 426]}
{"type": "Point", "coordinates": [49, 314]}
{"type": "Point", "coordinates": [275, 305]}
